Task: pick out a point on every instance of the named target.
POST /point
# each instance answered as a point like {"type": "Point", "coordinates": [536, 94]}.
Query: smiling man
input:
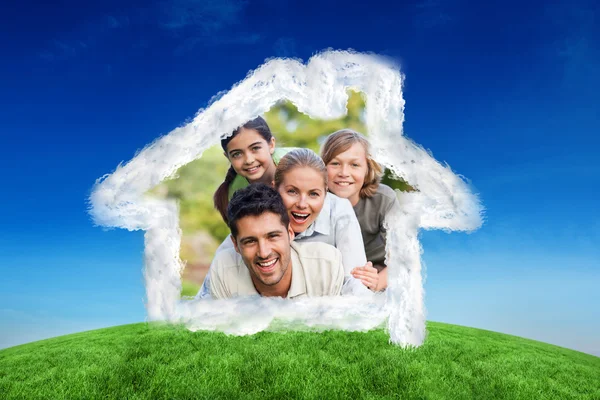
{"type": "Point", "coordinates": [265, 261]}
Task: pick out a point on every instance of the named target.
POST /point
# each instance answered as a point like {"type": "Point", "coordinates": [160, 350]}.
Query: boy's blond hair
{"type": "Point", "coordinates": [342, 140]}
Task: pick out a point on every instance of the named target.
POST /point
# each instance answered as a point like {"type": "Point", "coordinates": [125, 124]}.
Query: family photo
{"type": "Point", "coordinates": [286, 206]}
{"type": "Point", "coordinates": [257, 199]}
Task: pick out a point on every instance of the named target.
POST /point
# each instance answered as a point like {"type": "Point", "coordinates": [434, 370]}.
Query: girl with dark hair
{"type": "Point", "coordinates": [251, 151]}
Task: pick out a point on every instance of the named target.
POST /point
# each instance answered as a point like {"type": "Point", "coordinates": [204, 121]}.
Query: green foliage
{"type": "Point", "coordinates": [394, 182]}
{"type": "Point", "coordinates": [194, 187]}
{"type": "Point", "coordinates": [292, 128]}
{"type": "Point", "coordinates": [153, 361]}
{"type": "Point", "coordinates": [189, 289]}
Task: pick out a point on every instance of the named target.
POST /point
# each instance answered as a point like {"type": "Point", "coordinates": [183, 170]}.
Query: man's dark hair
{"type": "Point", "coordinates": [255, 200]}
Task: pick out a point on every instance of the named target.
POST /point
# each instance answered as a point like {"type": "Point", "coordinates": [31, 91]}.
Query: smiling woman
{"type": "Point", "coordinates": [301, 179]}
{"type": "Point", "coordinates": [319, 216]}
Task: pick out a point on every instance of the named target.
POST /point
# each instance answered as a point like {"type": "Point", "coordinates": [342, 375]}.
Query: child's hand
{"type": "Point", "coordinates": [367, 274]}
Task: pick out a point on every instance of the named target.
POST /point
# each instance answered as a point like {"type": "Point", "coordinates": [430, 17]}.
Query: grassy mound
{"type": "Point", "coordinates": [156, 361]}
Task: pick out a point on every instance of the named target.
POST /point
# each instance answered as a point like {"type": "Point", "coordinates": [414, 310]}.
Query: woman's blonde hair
{"type": "Point", "coordinates": [342, 140]}
{"type": "Point", "coordinates": [299, 158]}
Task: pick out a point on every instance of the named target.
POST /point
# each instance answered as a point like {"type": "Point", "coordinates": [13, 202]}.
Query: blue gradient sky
{"type": "Point", "coordinates": [506, 94]}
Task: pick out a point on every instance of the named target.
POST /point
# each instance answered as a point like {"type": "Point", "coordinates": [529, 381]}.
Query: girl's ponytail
{"type": "Point", "coordinates": [221, 197]}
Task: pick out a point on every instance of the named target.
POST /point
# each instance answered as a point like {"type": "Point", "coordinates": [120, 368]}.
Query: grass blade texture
{"type": "Point", "coordinates": [155, 361]}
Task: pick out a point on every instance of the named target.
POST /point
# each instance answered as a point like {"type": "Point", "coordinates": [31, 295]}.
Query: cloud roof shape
{"type": "Point", "coordinates": [319, 89]}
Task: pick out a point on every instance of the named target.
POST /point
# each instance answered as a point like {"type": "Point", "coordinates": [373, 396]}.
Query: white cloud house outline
{"type": "Point", "coordinates": [318, 89]}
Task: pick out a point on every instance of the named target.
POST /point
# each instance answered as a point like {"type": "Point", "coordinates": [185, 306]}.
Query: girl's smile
{"type": "Point", "coordinates": [251, 156]}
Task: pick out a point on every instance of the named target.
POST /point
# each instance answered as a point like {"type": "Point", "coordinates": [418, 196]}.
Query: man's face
{"type": "Point", "coordinates": [264, 244]}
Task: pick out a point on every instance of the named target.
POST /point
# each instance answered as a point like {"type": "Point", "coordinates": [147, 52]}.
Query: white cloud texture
{"type": "Point", "coordinates": [319, 89]}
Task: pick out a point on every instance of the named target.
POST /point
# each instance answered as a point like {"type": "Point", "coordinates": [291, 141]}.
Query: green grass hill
{"type": "Point", "coordinates": [155, 361]}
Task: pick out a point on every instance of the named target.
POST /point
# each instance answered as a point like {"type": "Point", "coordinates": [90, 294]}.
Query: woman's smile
{"type": "Point", "coordinates": [303, 192]}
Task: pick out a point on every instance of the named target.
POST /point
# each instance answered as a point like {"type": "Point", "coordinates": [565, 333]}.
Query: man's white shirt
{"type": "Point", "coordinates": [317, 270]}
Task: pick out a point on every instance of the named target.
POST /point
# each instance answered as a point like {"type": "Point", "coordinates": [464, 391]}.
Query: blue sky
{"type": "Point", "coordinates": [505, 93]}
